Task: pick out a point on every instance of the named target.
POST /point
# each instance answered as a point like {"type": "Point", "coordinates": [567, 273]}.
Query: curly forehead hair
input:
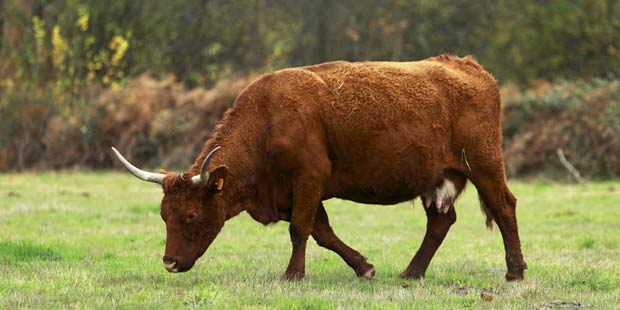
{"type": "Point", "coordinates": [176, 182]}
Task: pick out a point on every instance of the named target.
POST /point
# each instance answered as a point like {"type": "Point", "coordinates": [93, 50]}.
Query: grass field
{"type": "Point", "coordinates": [86, 240]}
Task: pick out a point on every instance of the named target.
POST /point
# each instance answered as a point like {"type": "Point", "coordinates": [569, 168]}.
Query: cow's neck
{"type": "Point", "coordinates": [242, 155]}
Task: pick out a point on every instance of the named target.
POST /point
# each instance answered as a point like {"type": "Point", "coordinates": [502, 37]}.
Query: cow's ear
{"type": "Point", "coordinates": [217, 179]}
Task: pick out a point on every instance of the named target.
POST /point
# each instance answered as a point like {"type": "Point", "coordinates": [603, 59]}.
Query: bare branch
{"type": "Point", "coordinates": [569, 166]}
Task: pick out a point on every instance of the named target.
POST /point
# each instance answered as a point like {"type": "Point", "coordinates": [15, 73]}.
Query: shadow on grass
{"type": "Point", "coordinates": [25, 251]}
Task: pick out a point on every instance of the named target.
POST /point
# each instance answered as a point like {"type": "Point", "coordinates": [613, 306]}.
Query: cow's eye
{"type": "Point", "coordinates": [191, 216]}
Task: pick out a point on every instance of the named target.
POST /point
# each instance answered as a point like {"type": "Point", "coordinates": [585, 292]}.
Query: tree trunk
{"type": "Point", "coordinates": [321, 31]}
{"type": "Point", "coordinates": [11, 29]}
{"type": "Point", "coordinates": [2, 10]}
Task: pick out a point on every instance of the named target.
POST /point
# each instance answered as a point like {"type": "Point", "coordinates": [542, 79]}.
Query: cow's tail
{"type": "Point", "coordinates": [489, 218]}
{"type": "Point", "coordinates": [510, 200]}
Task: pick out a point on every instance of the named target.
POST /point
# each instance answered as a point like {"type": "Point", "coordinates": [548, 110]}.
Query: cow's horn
{"type": "Point", "coordinates": [203, 177]}
{"type": "Point", "coordinates": [140, 174]}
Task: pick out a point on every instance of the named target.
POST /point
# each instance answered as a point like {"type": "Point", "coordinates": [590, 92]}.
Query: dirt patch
{"type": "Point", "coordinates": [561, 305]}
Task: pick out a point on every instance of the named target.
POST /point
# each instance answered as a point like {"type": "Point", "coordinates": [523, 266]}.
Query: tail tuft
{"type": "Point", "coordinates": [489, 218]}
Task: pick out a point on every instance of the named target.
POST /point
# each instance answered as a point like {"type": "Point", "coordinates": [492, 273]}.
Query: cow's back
{"type": "Point", "coordinates": [391, 127]}
{"type": "Point", "coordinates": [388, 129]}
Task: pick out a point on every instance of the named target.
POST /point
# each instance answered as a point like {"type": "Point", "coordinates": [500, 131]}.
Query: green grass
{"type": "Point", "coordinates": [86, 240]}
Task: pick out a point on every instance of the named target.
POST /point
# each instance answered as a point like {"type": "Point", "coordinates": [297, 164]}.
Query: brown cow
{"type": "Point", "coordinates": [371, 132]}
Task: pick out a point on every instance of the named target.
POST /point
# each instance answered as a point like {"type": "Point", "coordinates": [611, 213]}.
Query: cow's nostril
{"type": "Point", "coordinates": [168, 260]}
{"type": "Point", "coordinates": [170, 264]}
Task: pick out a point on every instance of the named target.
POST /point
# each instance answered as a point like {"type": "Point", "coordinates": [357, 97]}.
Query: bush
{"type": "Point", "coordinates": [580, 118]}
{"type": "Point", "coordinates": [21, 128]}
{"type": "Point", "coordinates": [155, 123]}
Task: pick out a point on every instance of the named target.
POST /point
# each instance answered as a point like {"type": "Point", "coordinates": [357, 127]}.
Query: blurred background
{"type": "Point", "coordinates": [152, 77]}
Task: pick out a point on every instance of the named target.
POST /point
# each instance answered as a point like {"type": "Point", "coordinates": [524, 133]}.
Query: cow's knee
{"type": "Point", "coordinates": [510, 199]}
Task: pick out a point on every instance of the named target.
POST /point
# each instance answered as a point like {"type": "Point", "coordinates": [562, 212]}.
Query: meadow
{"type": "Point", "coordinates": [95, 240]}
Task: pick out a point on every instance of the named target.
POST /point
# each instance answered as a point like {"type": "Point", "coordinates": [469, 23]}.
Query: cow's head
{"type": "Point", "coordinates": [192, 208]}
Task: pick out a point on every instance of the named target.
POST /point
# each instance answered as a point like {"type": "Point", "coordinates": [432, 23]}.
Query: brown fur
{"type": "Point", "coordinates": [371, 132]}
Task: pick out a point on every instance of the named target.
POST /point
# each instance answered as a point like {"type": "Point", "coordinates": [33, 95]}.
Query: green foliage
{"type": "Point", "coordinates": [79, 42]}
{"type": "Point", "coordinates": [94, 241]}
{"type": "Point", "coordinates": [560, 39]}
{"type": "Point", "coordinates": [55, 51]}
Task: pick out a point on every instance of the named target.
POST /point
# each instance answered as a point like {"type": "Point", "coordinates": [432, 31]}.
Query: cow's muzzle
{"type": "Point", "coordinates": [174, 265]}
{"type": "Point", "coordinates": [170, 264]}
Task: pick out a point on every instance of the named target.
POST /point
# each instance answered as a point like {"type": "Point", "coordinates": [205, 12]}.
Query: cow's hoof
{"type": "Point", "coordinates": [366, 271]}
{"type": "Point", "coordinates": [370, 273]}
{"type": "Point", "coordinates": [293, 276]}
{"type": "Point", "coordinates": [515, 276]}
{"type": "Point", "coordinates": [411, 275]}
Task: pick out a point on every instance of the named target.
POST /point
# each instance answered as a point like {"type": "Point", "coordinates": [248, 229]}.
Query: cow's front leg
{"type": "Point", "coordinates": [306, 197]}
{"type": "Point", "coordinates": [437, 226]}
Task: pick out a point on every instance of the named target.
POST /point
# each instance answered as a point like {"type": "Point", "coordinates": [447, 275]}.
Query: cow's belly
{"type": "Point", "coordinates": [384, 198]}
{"type": "Point", "coordinates": [375, 188]}
{"type": "Point", "coordinates": [385, 165]}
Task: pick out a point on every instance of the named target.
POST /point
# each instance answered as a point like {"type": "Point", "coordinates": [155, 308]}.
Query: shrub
{"type": "Point", "coordinates": [157, 123]}
{"type": "Point", "coordinates": [580, 118]}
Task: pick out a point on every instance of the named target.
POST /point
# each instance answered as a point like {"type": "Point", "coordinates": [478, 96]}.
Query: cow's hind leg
{"type": "Point", "coordinates": [325, 237]}
{"type": "Point", "coordinates": [437, 226]}
{"type": "Point", "coordinates": [440, 215]}
{"type": "Point", "coordinates": [501, 204]}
